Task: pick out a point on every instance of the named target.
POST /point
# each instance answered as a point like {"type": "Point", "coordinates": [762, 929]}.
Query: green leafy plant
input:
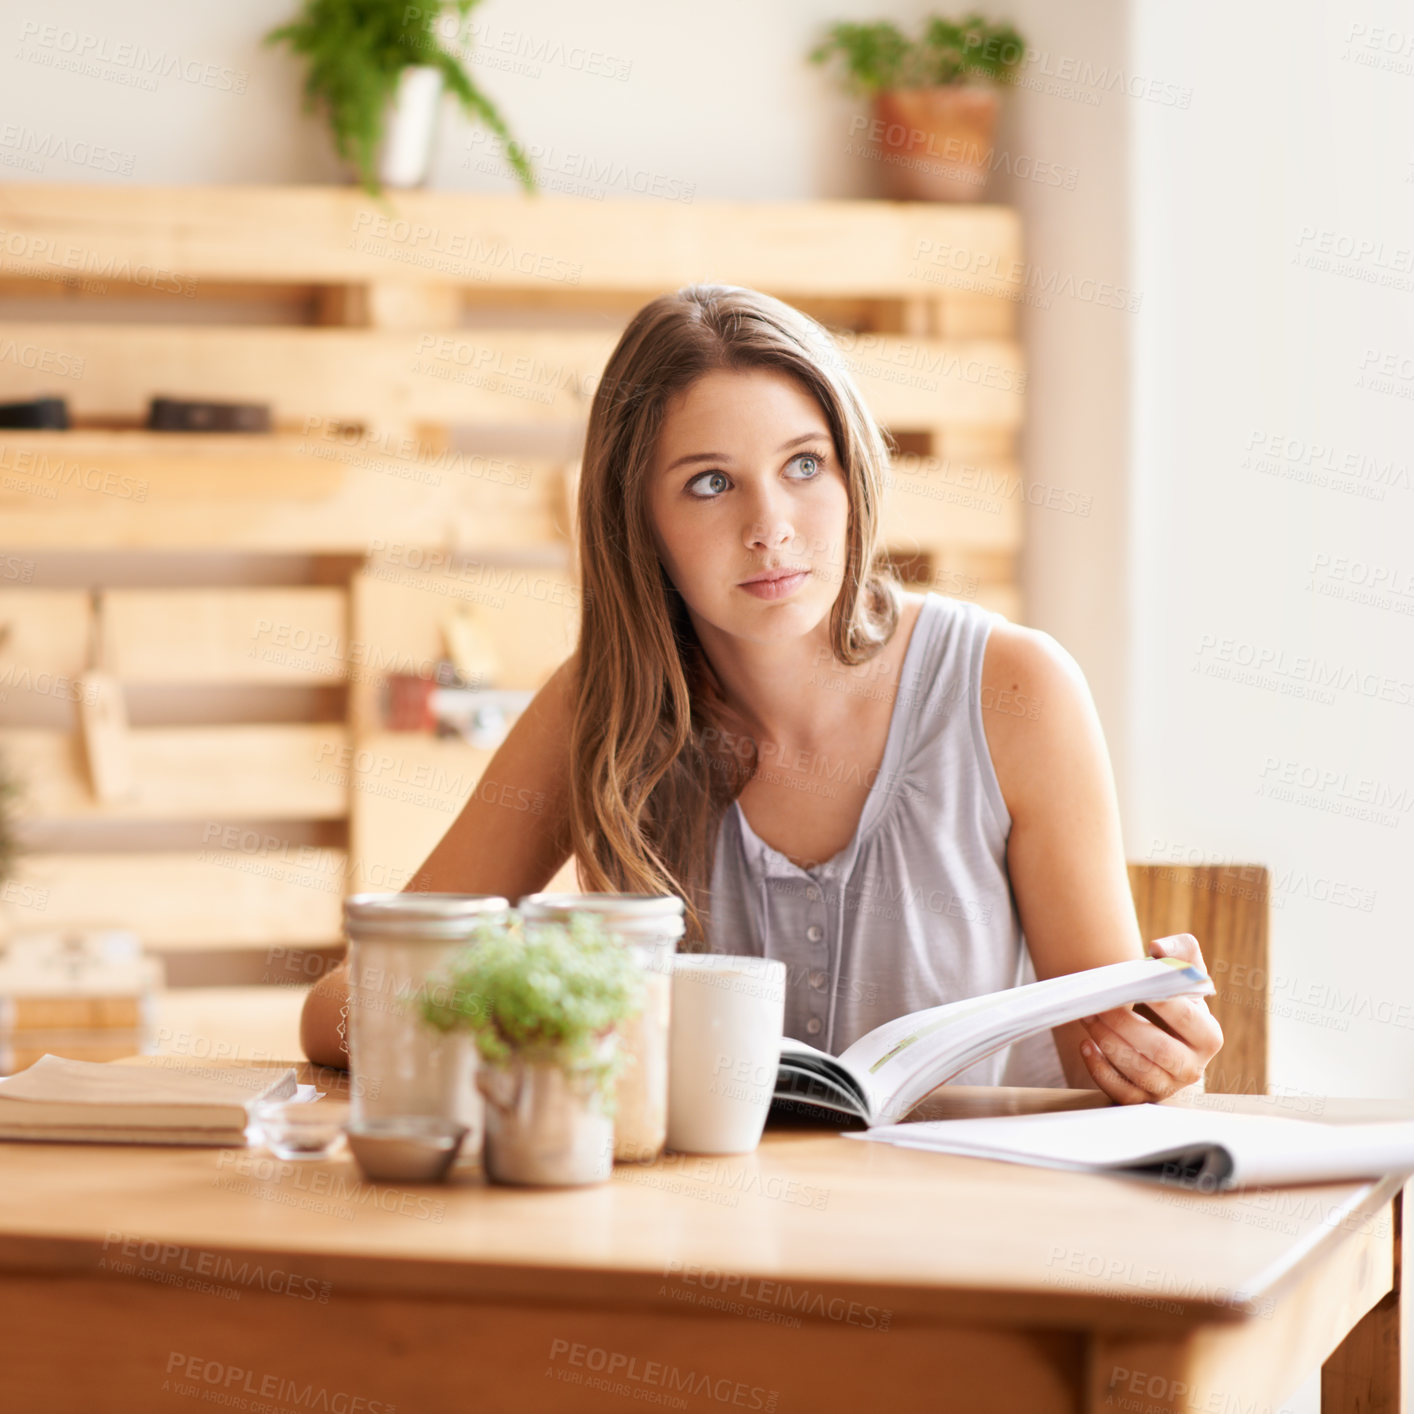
{"type": "Point", "coordinates": [540, 991]}
{"type": "Point", "coordinates": [879, 56]}
{"type": "Point", "coordinates": [357, 49]}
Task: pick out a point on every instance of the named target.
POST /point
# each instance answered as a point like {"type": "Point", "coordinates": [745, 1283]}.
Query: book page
{"type": "Point", "coordinates": [902, 1060]}
{"type": "Point", "coordinates": [805, 1068]}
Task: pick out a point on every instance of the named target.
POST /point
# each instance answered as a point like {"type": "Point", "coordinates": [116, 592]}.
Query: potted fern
{"type": "Point", "coordinates": [378, 69]}
{"type": "Point", "coordinates": [934, 99]}
{"type": "Point", "coordinates": [542, 1002]}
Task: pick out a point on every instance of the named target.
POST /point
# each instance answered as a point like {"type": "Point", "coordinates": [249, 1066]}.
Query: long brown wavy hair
{"type": "Point", "coordinates": [657, 754]}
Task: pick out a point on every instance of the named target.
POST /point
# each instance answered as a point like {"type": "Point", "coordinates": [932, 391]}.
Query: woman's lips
{"type": "Point", "coordinates": [776, 588]}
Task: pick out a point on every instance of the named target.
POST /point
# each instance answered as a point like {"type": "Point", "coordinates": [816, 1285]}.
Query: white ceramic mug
{"type": "Point", "coordinates": [728, 1014]}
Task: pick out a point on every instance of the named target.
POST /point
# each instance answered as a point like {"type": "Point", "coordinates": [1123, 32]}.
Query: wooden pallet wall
{"type": "Point", "coordinates": [429, 373]}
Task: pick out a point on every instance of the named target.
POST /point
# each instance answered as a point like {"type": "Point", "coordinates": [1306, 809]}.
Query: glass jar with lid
{"type": "Point", "coordinates": [649, 924]}
{"type": "Point", "coordinates": [400, 1068]}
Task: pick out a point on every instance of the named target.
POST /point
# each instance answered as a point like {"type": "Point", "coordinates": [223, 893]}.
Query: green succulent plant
{"type": "Point", "coordinates": [358, 49]}
{"type": "Point", "coordinates": [540, 991]}
{"type": "Point", "coordinates": [879, 56]}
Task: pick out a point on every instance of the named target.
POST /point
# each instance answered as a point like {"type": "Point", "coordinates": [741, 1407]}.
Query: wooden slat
{"type": "Point", "coordinates": [390, 304]}
{"type": "Point", "coordinates": [406, 789]}
{"type": "Point", "coordinates": [254, 894]}
{"type": "Point", "coordinates": [226, 635]}
{"type": "Point", "coordinates": [322, 491]}
{"type": "Point", "coordinates": [936, 503]}
{"type": "Point", "coordinates": [325, 234]}
{"type": "Point", "coordinates": [495, 375]}
{"type": "Point", "coordinates": [190, 773]}
{"type": "Point", "coordinates": [229, 1024]}
{"type": "Point", "coordinates": [1227, 908]}
{"type": "Point", "coordinates": [43, 634]}
{"type": "Point", "coordinates": [973, 444]}
{"type": "Point", "coordinates": [974, 316]}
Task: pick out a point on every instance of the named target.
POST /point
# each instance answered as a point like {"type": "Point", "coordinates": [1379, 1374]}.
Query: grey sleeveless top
{"type": "Point", "coordinates": [917, 909]}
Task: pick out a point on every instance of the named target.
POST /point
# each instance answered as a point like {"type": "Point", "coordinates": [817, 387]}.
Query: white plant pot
{"type": "Point", "coordinates": [410, 127]}
{"type": "Point", "coordinates": [544, 1125]}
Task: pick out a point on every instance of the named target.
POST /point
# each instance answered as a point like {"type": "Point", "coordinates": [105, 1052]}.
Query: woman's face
{"type": "Point", "coordinates": [746, 478]}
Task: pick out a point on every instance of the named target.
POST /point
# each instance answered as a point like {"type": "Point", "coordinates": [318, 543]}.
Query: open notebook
{"type": "Point", "coordinates": [1194, 1148]}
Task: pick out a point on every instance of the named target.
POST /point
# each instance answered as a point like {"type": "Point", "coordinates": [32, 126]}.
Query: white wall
{"type": "Point", "coordinates": [1290, 144]}
{"type": "Point", "coordinates": [1066, 140]}
{"type": "Point", "coordinates": [634, 98]}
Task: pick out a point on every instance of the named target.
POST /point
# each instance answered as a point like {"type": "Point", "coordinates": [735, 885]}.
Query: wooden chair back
{"type": "Point", "coordinates": [1227, 908]}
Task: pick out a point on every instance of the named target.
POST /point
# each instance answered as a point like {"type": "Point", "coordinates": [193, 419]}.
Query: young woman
{"type": "Point", "coordinates": [904, 797]}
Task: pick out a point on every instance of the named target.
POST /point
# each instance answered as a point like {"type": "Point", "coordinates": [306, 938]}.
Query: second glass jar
{"type": "Point", "coordinates": [649, 924]}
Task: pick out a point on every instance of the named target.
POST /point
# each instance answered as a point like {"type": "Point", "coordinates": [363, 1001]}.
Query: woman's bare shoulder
{"type": "Point", "coordinates": [1036, 706]}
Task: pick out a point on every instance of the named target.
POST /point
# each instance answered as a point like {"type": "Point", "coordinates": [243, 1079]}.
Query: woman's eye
{"type": "Point", "coordinates": [815, 462]}
{"type": "Point", "coordinates": [705, 476]}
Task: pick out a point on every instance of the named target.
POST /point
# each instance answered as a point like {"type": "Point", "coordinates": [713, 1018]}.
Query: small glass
{"type": "Point", "coordinates": [650, 925]}
{"type": "Point", "coordinates": [298, 1129]}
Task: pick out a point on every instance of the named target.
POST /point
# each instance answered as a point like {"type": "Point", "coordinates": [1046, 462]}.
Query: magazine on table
{"type": "Point", "coordinates": [1207, 1150]}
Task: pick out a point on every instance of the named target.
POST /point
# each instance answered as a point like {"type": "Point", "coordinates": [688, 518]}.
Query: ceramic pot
{"type": "Point", "coordinates": [410, 127]}
{"type": "Point", "coordinates": [545, 1125]}
{"type": "Point", "coordinates": [934, 144]}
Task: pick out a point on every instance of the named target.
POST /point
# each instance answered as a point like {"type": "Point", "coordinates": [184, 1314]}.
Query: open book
{"type": "Point", "coordinates": [1193, 1148]}
{"type": "Point", "coordinates": [885, 1073]}
{"type": "Point", "coordinates": [57, 1098]}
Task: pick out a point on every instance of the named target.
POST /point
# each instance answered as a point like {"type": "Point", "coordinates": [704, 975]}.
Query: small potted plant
{"type": "Point", "coordinates": [542, 1002]}
{"type": "Point", "coordinates": [934, 99]}
{"type": "Point", "coordinates": [378, 68]}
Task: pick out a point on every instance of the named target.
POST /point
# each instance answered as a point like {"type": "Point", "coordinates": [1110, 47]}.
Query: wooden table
{"type": "Point", "coordinates": [817, 1274]}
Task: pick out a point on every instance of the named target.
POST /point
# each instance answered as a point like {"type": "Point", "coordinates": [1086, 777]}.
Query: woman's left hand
{"type": "Point", "coordinates": [1133, 1060]}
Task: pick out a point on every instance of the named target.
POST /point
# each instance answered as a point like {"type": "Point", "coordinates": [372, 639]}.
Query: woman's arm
{"type": "Point", "coordinates": [511, 838]}
{"type": "Point", "coordinates": [1065, 856]}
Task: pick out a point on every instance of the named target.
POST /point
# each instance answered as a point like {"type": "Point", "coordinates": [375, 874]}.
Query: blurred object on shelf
{"type": "Point", "coordinates": [87, 995]}
{"type": "Point", "coordinates": [36, 413]}
{"type": "Point", "coordinates": [184, 415]}
{"type": "Point", "coordinates": [471, 648]}
{"type": "Point", "coordinates": [480, 716]}
{"type": "Point", "coordinates": [103, 721]}
{"type": "Point", "coordinates": [407, 698]}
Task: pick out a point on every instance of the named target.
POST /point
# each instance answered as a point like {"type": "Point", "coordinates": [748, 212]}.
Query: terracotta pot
{"type": "Point", "coordinates": [934, 144]}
